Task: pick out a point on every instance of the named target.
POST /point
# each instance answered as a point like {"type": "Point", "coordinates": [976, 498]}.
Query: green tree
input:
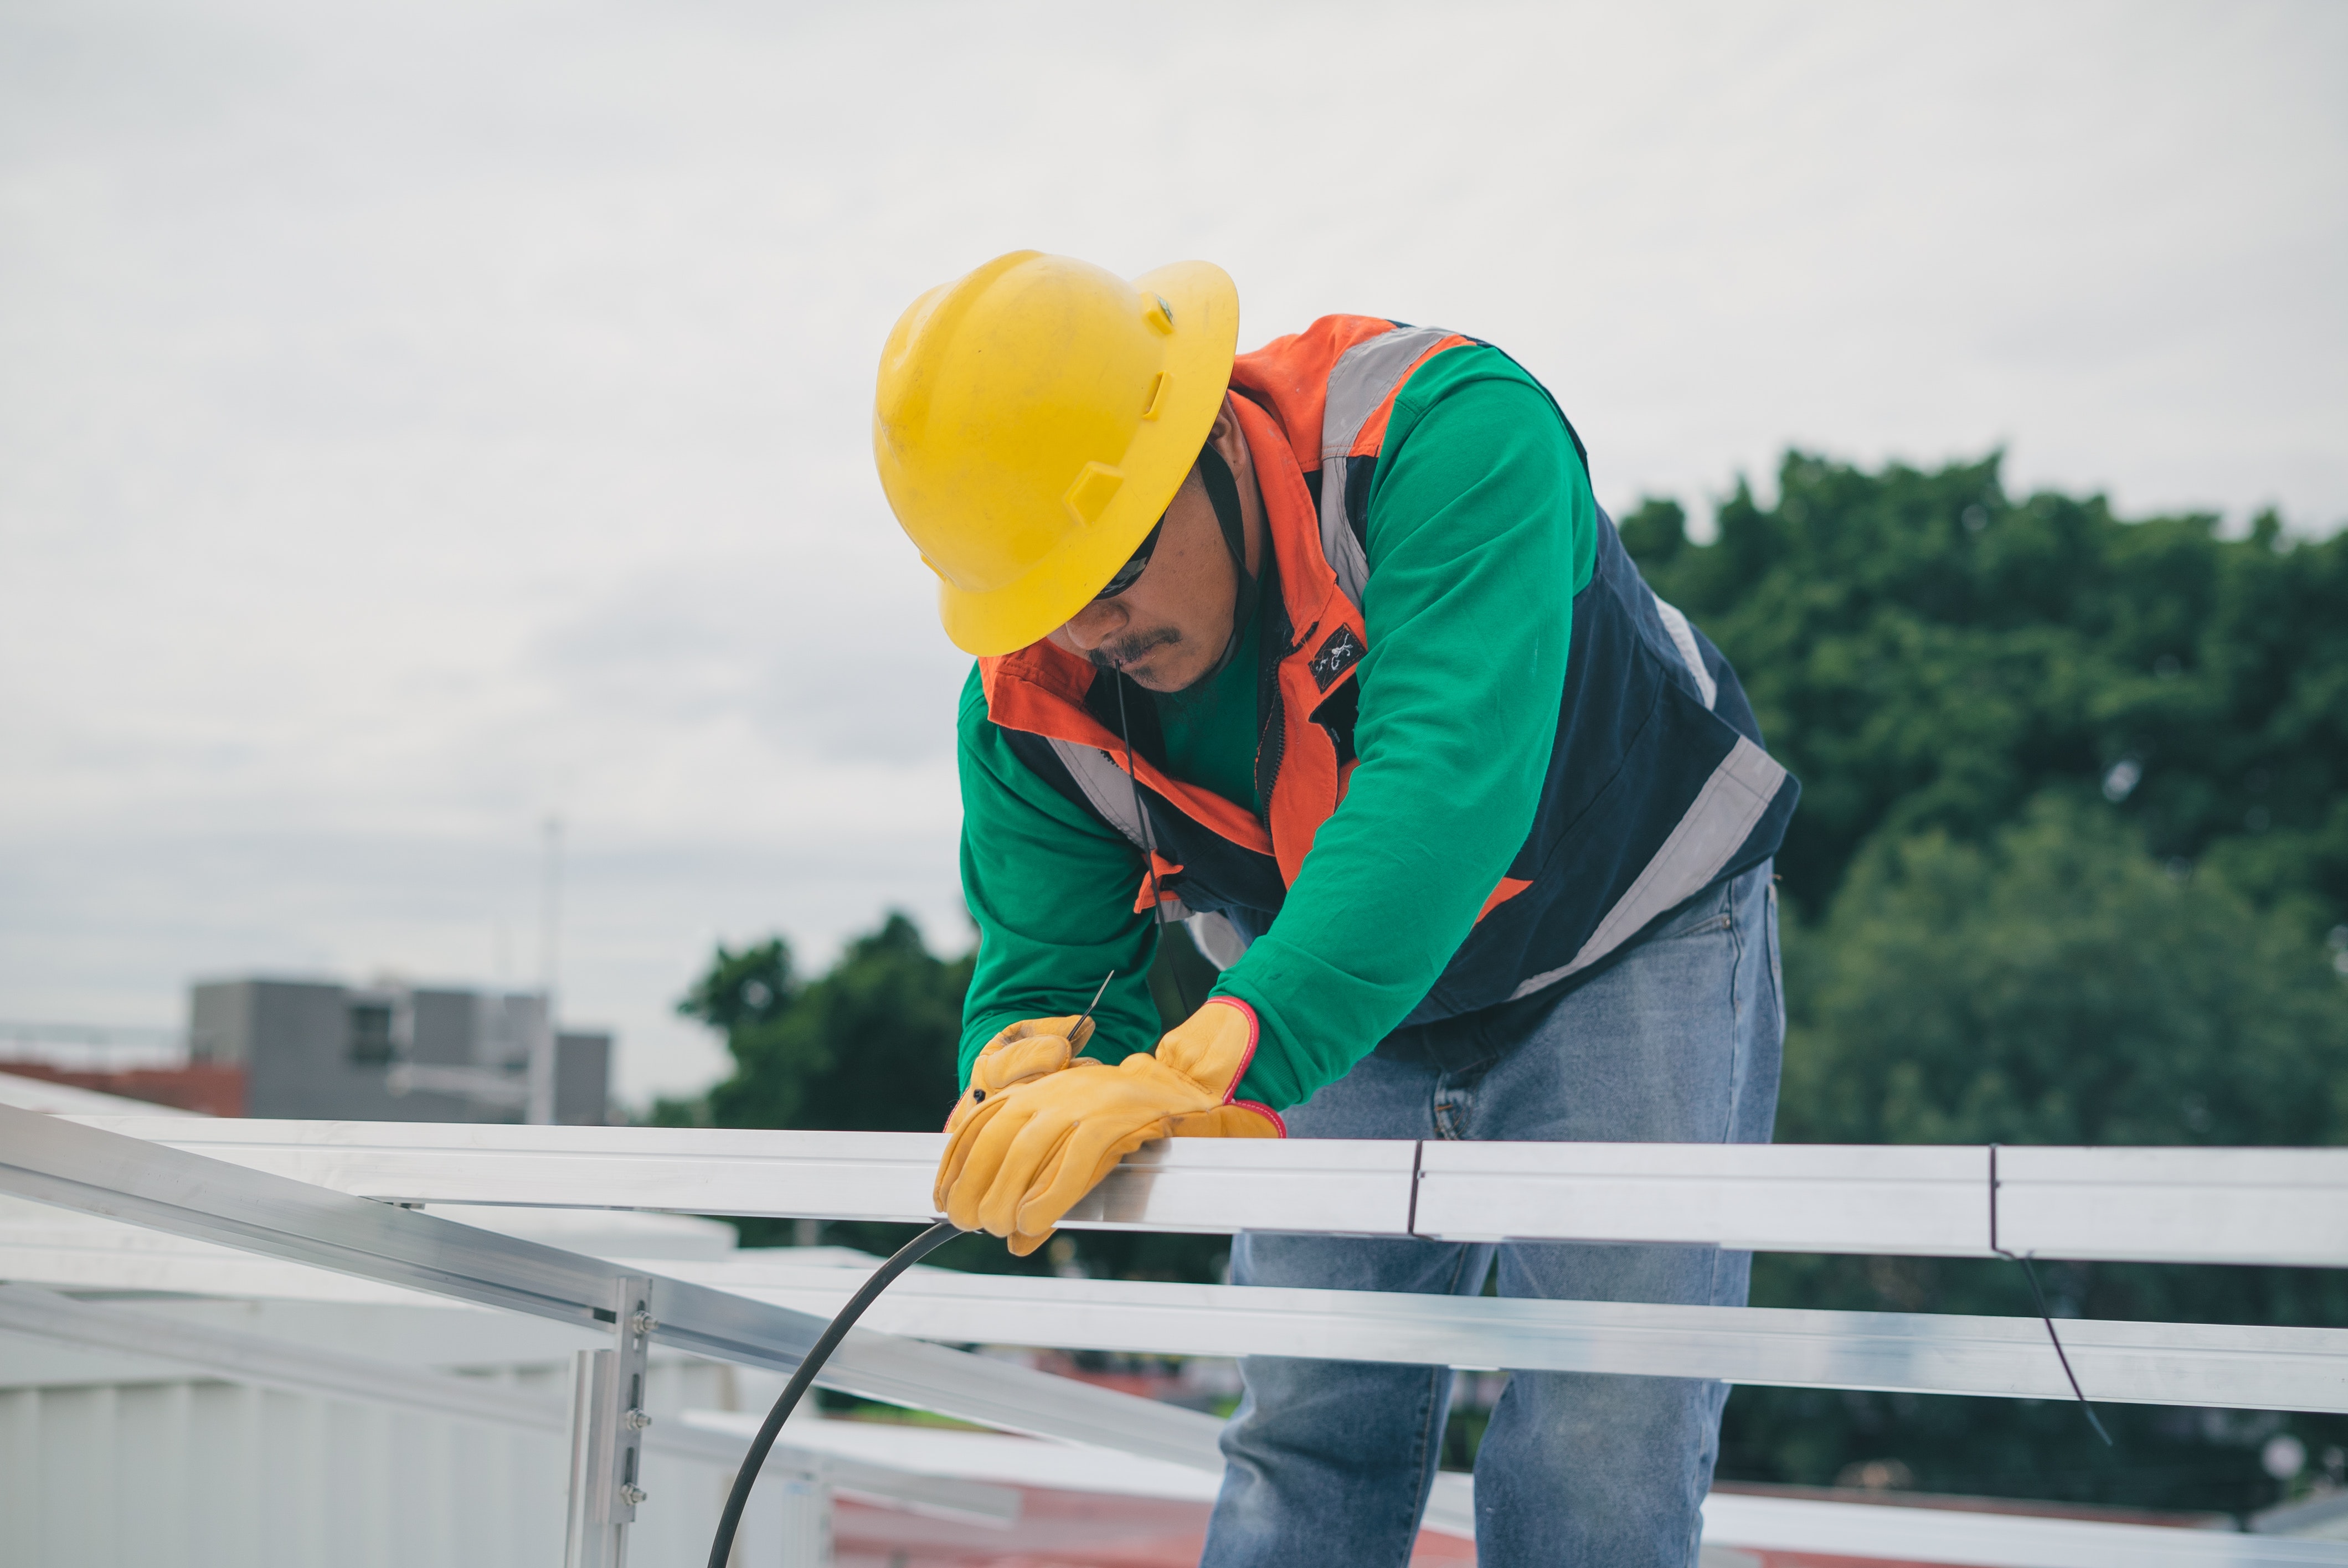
{"type": "Point", "coordinates": [2074, 827]}
{"type": "Point", "coordinates": [2057, 984]}
{"type": "Point", "coordinates": [870, 1046]}
{"type": "Point", "coordinates": [1927, 653]}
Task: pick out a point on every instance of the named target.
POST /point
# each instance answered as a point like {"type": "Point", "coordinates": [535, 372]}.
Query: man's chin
{"type": "Point", "coordinates": [1160, 682]}
{"type": "Point", "coordinates": [1152, 673]}
{"type": "Point", "coordinates": [1144, 676]}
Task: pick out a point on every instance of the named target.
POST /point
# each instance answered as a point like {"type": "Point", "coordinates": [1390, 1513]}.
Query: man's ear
{"type": "Point", "coordinates": [1224, 436]}
{"type": "Point", "coordinates": [1231, 441]}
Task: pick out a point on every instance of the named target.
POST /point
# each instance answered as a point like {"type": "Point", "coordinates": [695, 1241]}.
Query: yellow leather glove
{"type": "Point", "coordinates": [1026, 1049]}
{"type": "Point", "coordinates": [1239, 1119]}
{"type": "Point", "coordinates": [1023, 1157]}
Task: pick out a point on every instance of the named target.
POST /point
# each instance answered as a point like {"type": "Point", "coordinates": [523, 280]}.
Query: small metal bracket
{"type": "Point", "coordinates": [621, 1464]}
{"type": "Point", "coordinates": [608, 1423]}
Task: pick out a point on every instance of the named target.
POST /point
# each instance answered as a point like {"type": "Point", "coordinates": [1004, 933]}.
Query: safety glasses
{"type": "Point", "coordinates": [1130, 572]}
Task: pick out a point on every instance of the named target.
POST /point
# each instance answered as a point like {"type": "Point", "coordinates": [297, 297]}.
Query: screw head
{"type": "Point", "coordinates": [637, 1420]}
{"type": "Point", "coordinates": [635, 1496]}
{"type": "Point", "coordinates": [641, 1323]}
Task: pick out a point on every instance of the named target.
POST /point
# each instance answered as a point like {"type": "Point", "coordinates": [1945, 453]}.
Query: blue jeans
{"type": "Point", "coordinates": [1330, 1462]}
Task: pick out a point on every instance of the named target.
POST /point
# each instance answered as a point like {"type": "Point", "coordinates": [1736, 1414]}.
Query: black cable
{"type": "Point", "coordinates": [2047, 1317]}
{"type": "Point", "coordinates": [2039, 1296]}
{"type": "Point", "coordinates": [903, 1258]}
{"type": "Point", "coordinates": [1140, 813]}
{"type": "Point", "coordinates": [1148, 845]}
{"type": "Point", "coordinates": [1223, 492]}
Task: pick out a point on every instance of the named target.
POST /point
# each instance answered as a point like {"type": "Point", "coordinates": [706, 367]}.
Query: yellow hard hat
{"type": "Point", "coordinates": [1033, 420]}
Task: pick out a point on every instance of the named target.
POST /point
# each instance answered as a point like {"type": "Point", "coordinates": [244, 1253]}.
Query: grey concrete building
{"type": "Point", "coordinates": [322, 1050]}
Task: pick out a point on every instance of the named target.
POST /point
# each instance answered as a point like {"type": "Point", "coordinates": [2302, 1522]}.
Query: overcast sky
{"type": "Point", "coordinates": [418, 419]}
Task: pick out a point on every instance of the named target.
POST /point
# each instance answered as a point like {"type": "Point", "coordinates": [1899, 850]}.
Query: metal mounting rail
{"type": "Point", "coordinates": [2233, 1366]}
{"type": "Point", "coordinates": [2221, 1364]}
{"type": "Point", "coordinates": [1732, 1520]}
{"type": "Point", "coordinates": [1991, 1540]}
{"type": "Point", "coordinates": [2242, 1366]}
{"type": "Point", "coordinates": [50, 1160]}
{"type": "Point", "coordinates": [299, 1369]}
{"type": "Point", "coordinates": [53, 1161]}
{"type": "Point", "coordinates": [2163, 1206]}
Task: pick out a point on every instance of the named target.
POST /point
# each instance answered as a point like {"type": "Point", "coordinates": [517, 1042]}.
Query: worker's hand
{"type": "Point", "coordinates": [1024, 1158]}
{"type": "Point", "coordinates": [1024, 1050]}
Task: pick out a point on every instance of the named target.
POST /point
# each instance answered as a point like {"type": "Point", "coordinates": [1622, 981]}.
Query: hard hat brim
{"type": "Point", "coordinates": [1205, 310]}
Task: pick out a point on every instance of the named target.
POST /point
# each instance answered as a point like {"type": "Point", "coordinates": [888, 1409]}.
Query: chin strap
{"type": "Point", "coordinates": [1223, 491]}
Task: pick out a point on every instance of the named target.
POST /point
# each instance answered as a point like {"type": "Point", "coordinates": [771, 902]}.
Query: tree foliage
{"type": "Point", "coordinates": [2058, 985]}
{"type": "Point", "coordinates": [1926, 653]}
{"type": "Point", "coordinates": [870, 1046]}
{"type": "Point", "coordinates": [867, 1047]}
{"type": "Point", "coordinates": [2073, 830]}
{"type": "Point", "coordinates": [2054, 984]}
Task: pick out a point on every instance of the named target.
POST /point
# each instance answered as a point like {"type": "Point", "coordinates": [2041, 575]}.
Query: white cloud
{"type": "Point", "coordinates": [414, 421]}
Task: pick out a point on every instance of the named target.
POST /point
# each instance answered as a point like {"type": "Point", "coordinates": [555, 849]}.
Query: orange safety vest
{"type": "Point", "coordinates": [1658, 786]}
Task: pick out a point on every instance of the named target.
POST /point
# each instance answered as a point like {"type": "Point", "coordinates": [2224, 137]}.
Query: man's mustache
{"type": "Point", "coordinates": [1126, 652]}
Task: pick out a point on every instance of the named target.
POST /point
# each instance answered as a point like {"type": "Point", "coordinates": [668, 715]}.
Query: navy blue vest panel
{"type": "Point", "coordinates": [1656, 790]}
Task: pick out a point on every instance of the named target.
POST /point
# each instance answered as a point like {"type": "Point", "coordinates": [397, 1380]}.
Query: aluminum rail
{"type": "Point", "coordinates": [2159, 1205]}
{"type": "Point", "coordinates": [51, 1160]}
{"type": "Point", "coordinates": [296, 1368]}
{"type": "Point", "coordinates": [2220, 1364]}
{"type": "Point", "coordinates": [2175, 1206]}
{"type": "Point", "coordinates": [1881, 1532]}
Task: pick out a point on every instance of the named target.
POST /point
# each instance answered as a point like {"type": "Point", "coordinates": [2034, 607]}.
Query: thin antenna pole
{"type": "Point", "coordinates": [550, 957]}
{"type": "Point", "coordinates": [549, 906]}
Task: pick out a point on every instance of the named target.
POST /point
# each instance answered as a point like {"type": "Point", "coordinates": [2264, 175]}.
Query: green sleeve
{"type": "Point", "coordinates": [1481, 528]}
{"type": "Point", "coordinates": [1052, 889]}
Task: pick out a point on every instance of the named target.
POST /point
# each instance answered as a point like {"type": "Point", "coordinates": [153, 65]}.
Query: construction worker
{"type": "Point", "coordinates": [1328, 649]}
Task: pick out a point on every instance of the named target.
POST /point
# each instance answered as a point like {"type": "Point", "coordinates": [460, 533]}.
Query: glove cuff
{"type": "Point", "coordinates": [1279, 1126]}
{"type": "Point", "coordinates": [1239, 1119]}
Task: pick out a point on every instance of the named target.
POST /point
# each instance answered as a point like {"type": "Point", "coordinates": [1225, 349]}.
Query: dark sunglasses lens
{"type": "Point", "coordinates": [1130, 572]}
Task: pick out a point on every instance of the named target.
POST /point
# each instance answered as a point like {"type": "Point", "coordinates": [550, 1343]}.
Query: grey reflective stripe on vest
{"type": "Point", "coordinates": [1105, 785]}
{"type": "Point", "coordinates": [1361, 380]}
{"type": "Point", "coordinates": [1713, 828]}
{"type": "Point", "coordinates": [1218, 940]}
{"type": "Point", "coordinates": [1111, 793]}
{"type": "Point", "coordinates": [1684, 638]}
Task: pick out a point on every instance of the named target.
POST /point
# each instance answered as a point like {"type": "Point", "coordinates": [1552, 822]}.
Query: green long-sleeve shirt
{"type": "Point", "coordinates": [1481, 528]}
